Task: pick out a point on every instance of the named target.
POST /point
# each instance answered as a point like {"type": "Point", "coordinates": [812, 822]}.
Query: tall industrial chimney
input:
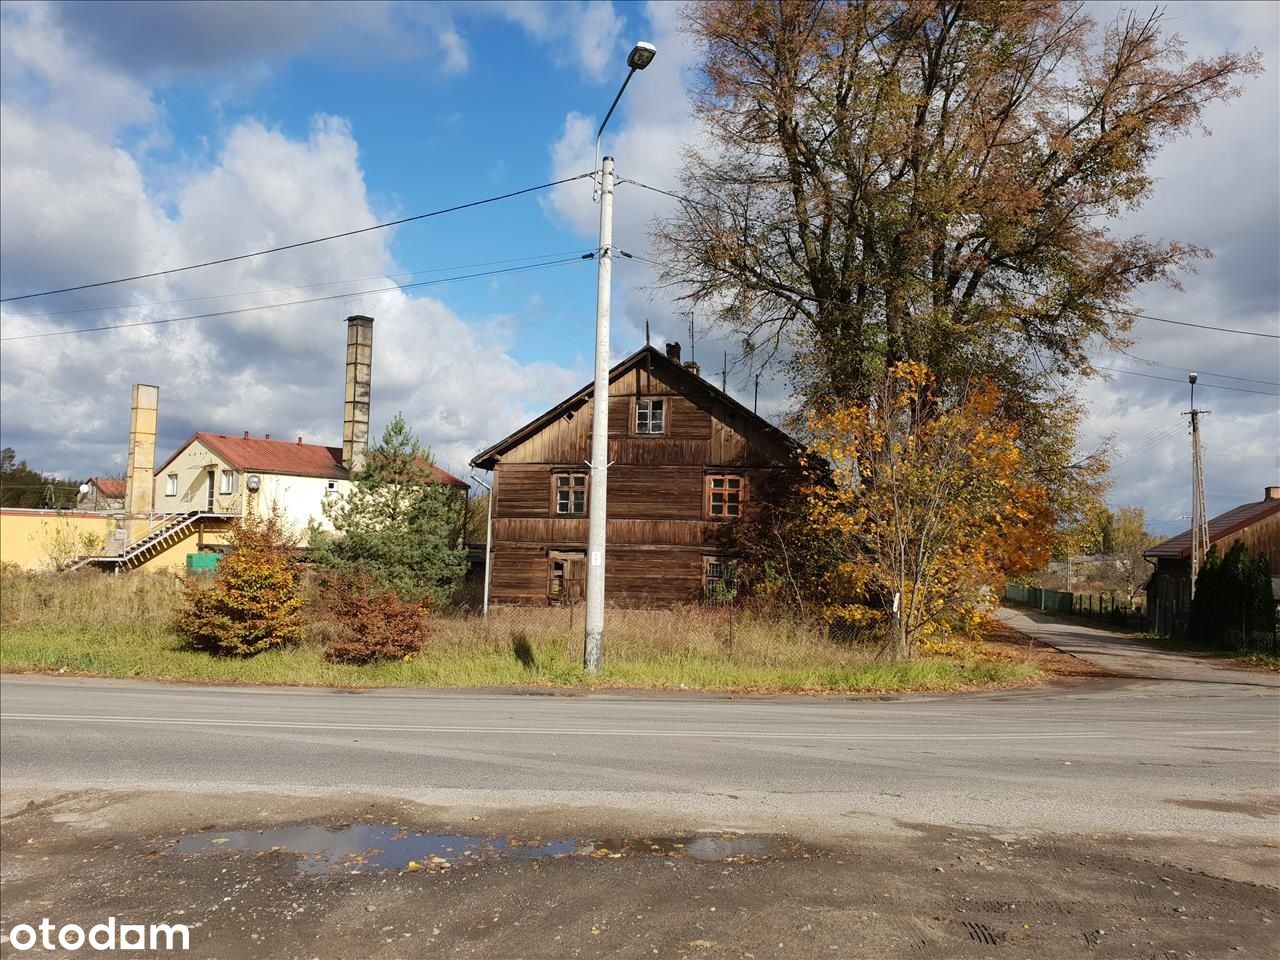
{"type": "Point", "coordinates": [355, 410]}
{"type": "Point", "coordinates": [139, 496]}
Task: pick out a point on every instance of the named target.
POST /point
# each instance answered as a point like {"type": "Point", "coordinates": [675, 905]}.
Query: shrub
{"type": "Point", "coordinates": [376, 622]}
{"type": "Point", "coordinates": [254, 601]}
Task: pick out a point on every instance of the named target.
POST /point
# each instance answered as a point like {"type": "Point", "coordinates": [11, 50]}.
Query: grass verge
{"type": "Point", "coordinates": [120, 627]}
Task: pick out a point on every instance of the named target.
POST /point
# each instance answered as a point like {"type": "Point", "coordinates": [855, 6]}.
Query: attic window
{"type": "Point", "coordinates": [650, 416]}
{"type": "Point", "coordinates": [171, 485]}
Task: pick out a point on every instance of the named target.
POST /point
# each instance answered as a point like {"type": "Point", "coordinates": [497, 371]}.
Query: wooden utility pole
{"type": "Point", "coordinates": [1199, 515]}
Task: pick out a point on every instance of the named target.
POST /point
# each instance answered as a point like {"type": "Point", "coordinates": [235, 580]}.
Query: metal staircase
{"type": "Point", "coordinates": [163, 532]}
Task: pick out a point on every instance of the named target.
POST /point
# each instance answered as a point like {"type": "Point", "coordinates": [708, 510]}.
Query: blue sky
{"type": "Point", "coordinates": [140, 136]}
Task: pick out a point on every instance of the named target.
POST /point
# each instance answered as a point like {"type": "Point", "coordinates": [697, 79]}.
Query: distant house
{"type": "Point", "coordinates": [226, 476]}
{"type": "Point", "coordinates": [188, 502]}
{"type": "Point", "coordinates": [105, 494]}
{"type": "Point", "coordinates": [685, 461]}
{"type": "Point", "coordinates": [1256, 525]}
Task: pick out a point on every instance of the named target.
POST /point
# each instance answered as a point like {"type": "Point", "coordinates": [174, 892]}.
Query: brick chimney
{"type": "Point", "coordinates": [1271, 493]}
{"type": "Point", "coordinates": [673, 352]}
{"type": "Point", "coordinates": [140, 484]}
{"type": "Point", "coordinates": [355, 409]}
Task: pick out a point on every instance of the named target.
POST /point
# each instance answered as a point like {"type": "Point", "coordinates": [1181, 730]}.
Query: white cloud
{"type": "Point", "coordinates": [583, 33]}
{"type": "Point", "coordinates": [77, 207]}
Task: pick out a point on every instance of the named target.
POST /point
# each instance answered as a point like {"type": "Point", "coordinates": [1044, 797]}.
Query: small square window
{"type": "Point", "coordinates": [331, 486]}
{"type": "Point", "coordinates": [228, 481]}
{"type": "Point", "coordinates": [171, 485]}
{"type": "Point", "coordinates": [725, 495]}
{"type": "Point", "coordinates": [650, 416]}
{"type": "Point", "coordinates": [719, 579]}
{"type": "Point", "coordinates": [570, 493]}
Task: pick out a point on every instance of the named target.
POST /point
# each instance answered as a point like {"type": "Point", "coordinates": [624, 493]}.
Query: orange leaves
{"type": "Point", "coordinates": [932, 498]}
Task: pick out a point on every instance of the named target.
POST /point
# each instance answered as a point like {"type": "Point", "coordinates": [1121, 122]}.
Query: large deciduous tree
{"type": "Point", "coordinates": [932, 180]}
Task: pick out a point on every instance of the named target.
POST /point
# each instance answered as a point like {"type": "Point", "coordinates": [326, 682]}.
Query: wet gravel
{"type": "Point", "coordinates": [341, 882]}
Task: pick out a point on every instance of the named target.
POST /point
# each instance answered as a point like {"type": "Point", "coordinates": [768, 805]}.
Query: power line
{"type": "Point", "coordinates": [1198, 326]}
{"type": "Point", "coordinates": [1215, 386]}
{"type": "Point", "coordinates": [296, 286]}
{"type": "Point", "coordinates": [301, 243]}
{"type": "Point", "coordinates": [1207, 373]}
{"type": "Point", "coordinates": [1129, 313]}
{"type": "Point", "coordinates": [294, 303]}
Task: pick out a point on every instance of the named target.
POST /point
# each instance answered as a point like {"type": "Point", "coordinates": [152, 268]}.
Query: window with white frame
{"type": "Point", "coordinates": [331, 486]}
{"type": "Point", "coordinates": [227, 482]}
{"type": "Point", "coordinates": [650, 416]}
{"type": "Point", "coordinates": [171, 485]}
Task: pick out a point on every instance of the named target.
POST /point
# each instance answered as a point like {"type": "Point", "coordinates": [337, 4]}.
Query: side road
{"type": "Point", "coordinates": [1127, 657]}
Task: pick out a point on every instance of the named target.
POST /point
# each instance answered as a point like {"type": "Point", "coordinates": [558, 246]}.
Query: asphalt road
{"type": "Point", "coordinates": [1186, 758]}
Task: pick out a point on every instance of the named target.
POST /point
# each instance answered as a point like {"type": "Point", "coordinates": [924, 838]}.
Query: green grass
{"type": "Point", "coordinates": [120, 627]}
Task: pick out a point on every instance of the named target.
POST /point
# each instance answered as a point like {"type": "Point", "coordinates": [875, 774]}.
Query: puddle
{"type": "Point", "coordinates": [373, 848]}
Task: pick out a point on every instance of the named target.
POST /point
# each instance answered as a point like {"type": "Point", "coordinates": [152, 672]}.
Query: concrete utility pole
{"type": "Point", "coordinates": [488, 543]}
{"type": "Point", "coordinates": [597, 494]}
{"type": "Point", "coordinates": [1199, 515]}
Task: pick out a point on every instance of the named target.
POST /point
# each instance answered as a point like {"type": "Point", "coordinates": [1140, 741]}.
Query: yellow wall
{"type": "Point", "coordinates": [40, 539]}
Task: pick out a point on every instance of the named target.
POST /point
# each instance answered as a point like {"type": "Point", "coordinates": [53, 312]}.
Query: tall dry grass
{"type": "Point", "coordinates": [123, 626]}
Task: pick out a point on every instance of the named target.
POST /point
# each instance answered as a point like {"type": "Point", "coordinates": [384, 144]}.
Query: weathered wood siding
{"type": "Point", "coordinates": [658, 532]}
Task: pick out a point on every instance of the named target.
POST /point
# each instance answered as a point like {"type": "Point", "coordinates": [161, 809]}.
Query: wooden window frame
{"type": "Point", "coordinates": [555, 492]}
{"type": "Point", "coordinates": [635, 416]}
{"type": "Point", "coordinates": [706, 494]}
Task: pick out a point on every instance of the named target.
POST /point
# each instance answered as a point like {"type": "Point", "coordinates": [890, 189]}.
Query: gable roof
{"type": "Point", "coordinates": [110, 487]}
{"type": "Point", "coordinates": [282, 457]}
{"type": "Point", "coordinates": [1220, 526]}
{"type": "Point", "coordinates": [487, 459]}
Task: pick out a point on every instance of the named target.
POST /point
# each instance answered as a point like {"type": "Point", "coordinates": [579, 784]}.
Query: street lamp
{"type": "Point", "coordinates": [641, 56]}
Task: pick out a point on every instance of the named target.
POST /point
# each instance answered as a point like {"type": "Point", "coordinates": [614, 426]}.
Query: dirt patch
{"type": "Point", "coordinates": [1264, 808]}
{"type": "Point", "coordinates": [935, 893]}
{"type": "Point", "coordinates": [1003, 642]}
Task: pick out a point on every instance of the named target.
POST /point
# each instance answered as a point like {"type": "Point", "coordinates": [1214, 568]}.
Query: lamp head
{"type": "Point", "coordinates": [1192, 379]}
{"type": "Point", "coordinates": [641, 55]}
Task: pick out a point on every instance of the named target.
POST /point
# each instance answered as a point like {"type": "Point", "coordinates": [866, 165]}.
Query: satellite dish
{"type": "Point", "coordinates": [84, 488]}
{"type": "Point", "coordinates": [253, 482]}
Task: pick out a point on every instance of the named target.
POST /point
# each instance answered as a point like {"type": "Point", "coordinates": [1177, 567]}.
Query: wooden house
{"type": "Point", "coordinates": [685, 458]}
{"type": "Point", "coordinates": [1256, 525]}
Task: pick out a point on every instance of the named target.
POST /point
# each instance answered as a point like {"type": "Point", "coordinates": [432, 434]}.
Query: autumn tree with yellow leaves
{"type": "Point", "coordinates": [929, 500]}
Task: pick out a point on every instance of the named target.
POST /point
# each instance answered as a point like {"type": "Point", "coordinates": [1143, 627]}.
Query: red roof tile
{"type": "Point", "coordinates": [112, 487]}
{"type": "Point", "coordinates": [283, 457]}
{"type": "Point", "coordinates": [1220, 526]}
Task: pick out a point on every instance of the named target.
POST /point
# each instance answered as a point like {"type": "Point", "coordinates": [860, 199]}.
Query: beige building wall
{"type": "Point", "coordinates": [47, 539]}
{"type": "Point", "coordinates": [42, 540]}
{"type": "Point", "coordinates": [190, 472]}
{"type": "Point", "coordinates": [300, 499]}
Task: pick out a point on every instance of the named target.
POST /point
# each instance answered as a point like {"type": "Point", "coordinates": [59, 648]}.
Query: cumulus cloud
{"type": "Point", "coordinates": [143, 39]}
{"type": "Point", "coordinates": [77, 207]}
